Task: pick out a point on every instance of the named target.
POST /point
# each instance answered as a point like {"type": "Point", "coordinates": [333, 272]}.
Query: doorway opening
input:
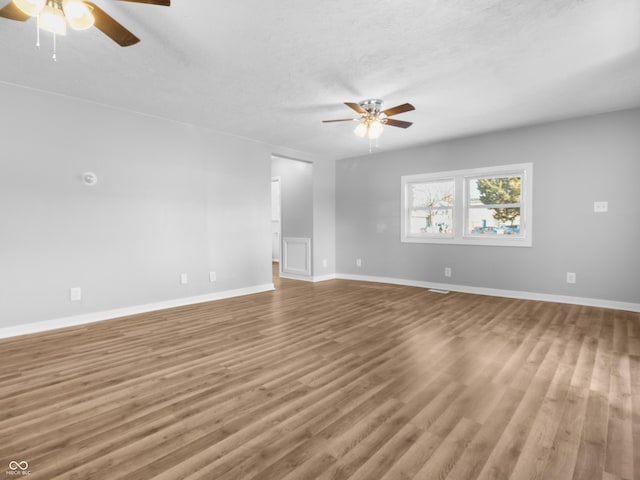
{"type": "Point", "coordinates": [292, 216]}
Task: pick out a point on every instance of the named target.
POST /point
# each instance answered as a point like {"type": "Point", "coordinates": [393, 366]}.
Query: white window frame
{"type": "Point", "coordinates": [428, 179]}
{"type": "Point", "coordinates": [461, 210]}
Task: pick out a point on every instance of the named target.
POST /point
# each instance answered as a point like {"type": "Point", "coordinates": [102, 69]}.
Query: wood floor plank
{"type": "Point", "coordinates": [418, 453]}
{"type": "Point", "coordinates": [564, 451]}
{"type": "Point", "coordinates": [447, 454]}
{"type": "Point", "coordinates": [334, 380]}
{"type": "Point", "coordinates": [619, 453]}
{"type": "Point", "coordinates": [477, 452]}
{"type": "Point", "coordinates": [378, 464]}
{"type": "Point", "coordinates": [537, 447]}
{"type": "Point", "coordinates": [507, 450]}
{"type": "Point", "coordinates": [593, 441]}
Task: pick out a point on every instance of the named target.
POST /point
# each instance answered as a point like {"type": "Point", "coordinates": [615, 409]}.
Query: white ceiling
{"type": "Point", "coordinates": [271, 70]}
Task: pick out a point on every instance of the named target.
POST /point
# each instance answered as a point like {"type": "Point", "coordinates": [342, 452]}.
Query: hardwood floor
{"type": "Point", "coordinates": [335, 380]}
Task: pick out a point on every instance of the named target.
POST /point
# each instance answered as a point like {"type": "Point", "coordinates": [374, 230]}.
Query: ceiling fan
{"type": "Point", "coordinates": [373, 118]}
{"type": "Point", "coordinates": [55, 15]}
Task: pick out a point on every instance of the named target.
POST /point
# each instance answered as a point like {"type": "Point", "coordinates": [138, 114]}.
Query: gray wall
{"type": "Point", "coordinates": [324, 224]}
{"type": "Point", "coordinates": [171, 198]}
{"type": "Point", "coordinates": [576, 162]}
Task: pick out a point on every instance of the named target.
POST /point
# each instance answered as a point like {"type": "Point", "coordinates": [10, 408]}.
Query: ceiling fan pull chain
{"type": "Point", "coordinates": [38, 31]}
{"type": "Point", "coordinates": [54, 48]}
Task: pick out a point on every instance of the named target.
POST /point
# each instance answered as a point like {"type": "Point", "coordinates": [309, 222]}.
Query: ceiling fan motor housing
{"type": "Point", "coordinates": [373, 106]}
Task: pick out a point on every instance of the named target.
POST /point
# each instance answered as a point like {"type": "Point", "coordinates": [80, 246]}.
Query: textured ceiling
{"type": "Point", "coordinates": [271, 70]}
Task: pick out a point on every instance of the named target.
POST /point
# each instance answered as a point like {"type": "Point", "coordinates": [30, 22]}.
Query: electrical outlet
{"type": "Point", "coordinates": [600, 207]}
{"type": "Point", "coordinates": [447, 271]}
{"type": "Point", "coordinates": [184, 278]}
{"type": "Point", "coordinates": [571, 277]}
{"type": "Point", "coordinates": [75, 294]}
{"type": "Point", "coordinates": [358, 262]}
{"type": "Point", "coordinates": [212, 277]}
{"type": "Point", "coordinates": [324, 263]}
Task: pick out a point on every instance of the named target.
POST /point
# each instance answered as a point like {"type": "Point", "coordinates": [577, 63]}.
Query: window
{"type": "Point", "coordinates": [484, 206]}
{"type": "Point", "coordinates": [431, 208]}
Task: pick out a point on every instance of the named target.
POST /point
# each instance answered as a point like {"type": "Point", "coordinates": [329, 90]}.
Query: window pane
{"type": "Point", "coordinates": [432, 194]}
{"type": "Point", "coordinates": [431, 207]}
{"type": "Point", "coordinates": [432, 222]}
{"type": "Point", "coordinates": [494, 190]}
{"type": "Point", "coordinates": [494, 221]}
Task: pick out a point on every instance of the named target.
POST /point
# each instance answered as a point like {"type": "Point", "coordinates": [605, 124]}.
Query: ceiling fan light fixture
{"type": "Point", "coordinates": [375, 129]}
{"type": "Point", "coordinates": [361, 129]}
{"type": "Point", "coordinates": [52, 20]}
{"type": "Point", "coordinates": [78, 14]}
{"type": "Point", "coordinates": [30, 7]}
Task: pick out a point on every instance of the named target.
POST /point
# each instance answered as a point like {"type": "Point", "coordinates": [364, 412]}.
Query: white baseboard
{"type": "Point", "coordinates": [293, 276]}
{"type": "Point", "coordinates": [495, 292]}
{"type": "Point", "coordinates": [306, 278]}
{"type": "Point", "coordinates": [54, 324]}
{"type": "Point", "coordinates": [324, 278]}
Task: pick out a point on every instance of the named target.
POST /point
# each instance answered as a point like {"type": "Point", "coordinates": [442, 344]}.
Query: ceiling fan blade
{"type": "Point", "coordinates": [112, 29]}
{"type": "Point", "coordinates": [405, 107]}
{"type": "Point", "coordinates": [398, 123]}
{"type": "Point", "coordinates": [340, 120]}
{"type": "Point", "coordinates": [164, 3]}
{"type": "Point", "coordinates": [12, 12]}
{"type": "Point", "coordinates": [356, 107]}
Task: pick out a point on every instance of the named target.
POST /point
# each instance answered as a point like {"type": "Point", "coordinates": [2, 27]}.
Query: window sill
{"type": "Point", "coordinates": [489, 242]}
